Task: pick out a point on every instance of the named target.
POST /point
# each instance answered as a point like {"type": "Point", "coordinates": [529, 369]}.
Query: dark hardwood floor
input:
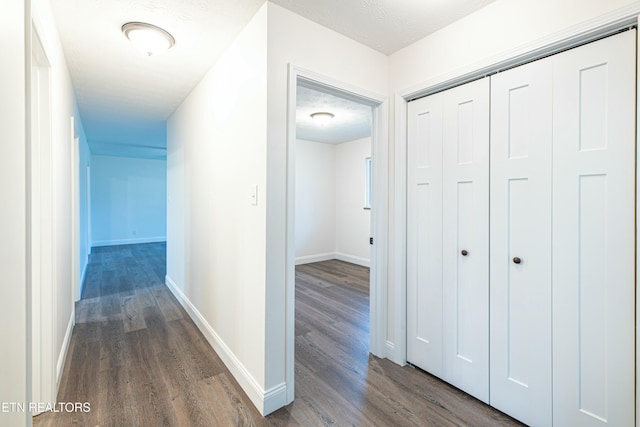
{"type": "Point", "coordinates": [139, 360]}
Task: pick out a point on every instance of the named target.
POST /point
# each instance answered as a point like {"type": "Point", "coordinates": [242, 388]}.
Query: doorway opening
{"type": "Point", "coordinates": [312, 208]}
{"type": "Point", "coordinates": [42, 233]}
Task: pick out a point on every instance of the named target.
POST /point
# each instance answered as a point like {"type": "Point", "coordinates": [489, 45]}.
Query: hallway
{"type": "Point", "coordinates": [139, 360]}
{"type": "Point", "coordinates": [137, 357]}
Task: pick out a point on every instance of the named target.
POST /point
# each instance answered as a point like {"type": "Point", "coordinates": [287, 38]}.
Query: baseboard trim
{"type": "Point", "coordinates": [391, 353]}
{"type": "Point", "coordinates": [265, 401]}
{"type": "Point", "coordinates": [353, 259]}
{"type": "Point", "coordinates": [115, 242]}
{"type": "Point", "coordinates": [275, 398]}
{"type": "Point", "coordinates": [62, 357]}
{"type": "Point", "coordinates": [308, 259]}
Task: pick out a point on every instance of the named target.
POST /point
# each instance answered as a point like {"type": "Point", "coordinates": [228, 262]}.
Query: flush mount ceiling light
{"type": "Point", "coordinates": [148, 38]}
{"type": "Point", "coordinates": [322, 117]}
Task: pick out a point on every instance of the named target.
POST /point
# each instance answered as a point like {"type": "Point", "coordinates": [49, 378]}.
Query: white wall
{"type": "Point", "coordinates": [226, 258]}
{"type": "Point", "coordinates": [315, 201]}
{"type": "Point", "coordinates": [216, 154]}
{"type": "Point", "coordinates": [128, 200]}
{"type": "Point", "coordinates": [296, 40]}
{"type": "Point", "coordinates": [493, 31]}
{"type": "Point", "coordinates": [331, 222]}
{"type": "Point", "coordinates": [13, 333]}
{"type": "Point", "coordinates": [353, 222]}
{"type": "Point", "coordinates": [63, 108]}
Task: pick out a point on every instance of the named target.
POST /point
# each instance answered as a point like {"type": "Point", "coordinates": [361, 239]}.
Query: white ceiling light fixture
{"type": "Point", "coordinates": [322, 117]}
{"type": "Point", "coordinates": [148, 38]}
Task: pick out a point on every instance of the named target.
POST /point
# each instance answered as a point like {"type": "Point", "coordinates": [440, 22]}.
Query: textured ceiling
{"type": "Point", "coordinates": [125, 97]}
{"type": "Point", "coordinates": [351, 120]}
{"type": "Point", "coordinates": [384, 25]}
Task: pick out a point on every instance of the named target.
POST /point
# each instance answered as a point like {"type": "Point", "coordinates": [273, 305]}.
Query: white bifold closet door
{"type": "Point", "coordinates": [448, 277]}
{"type": "Point", "coordinates": [520, 260]}
{"type": "Point", "coordinates": [465, 243]}
{"type": "Point", "coordinates": [593, 233]}
{"type": "Point", "coordinates": [424, 234]}
{"type": "Point", "coordinates": [562, 237]}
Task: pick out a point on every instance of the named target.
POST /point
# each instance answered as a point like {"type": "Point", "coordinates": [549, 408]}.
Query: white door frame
{"type": "Point", "coordinates": [42, 188]}
{"type": "Point", "coordinates": [75, 214]}
{"type": "Point", "coordinates": [88, 177]}
{"type": "Point", "coordinates": [594, 29]}
{"type": "Point", "coordinates": [379, 211]}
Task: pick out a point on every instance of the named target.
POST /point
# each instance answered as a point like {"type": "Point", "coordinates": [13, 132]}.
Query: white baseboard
{"type": "Point", "coordinates": [333, 255]}
{"type": "Point", "coordinates": [65, 347]}
{"type": "Point", "coordinates": [391, 353]}
{"type": "Point", "coordinates": [129, 241]}
{"type": "Point", "coordinates": [315, 258]}
{"type": "Point", "coordinates": [274, 399]}
{"type": "Point", "coordinates": [353, 259]}
{"type": "Point", "coordinates": [266, 401]}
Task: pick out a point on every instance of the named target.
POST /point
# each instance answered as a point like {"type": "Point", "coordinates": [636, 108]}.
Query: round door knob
{"type": "Point", "coordinates": [517, 260]}
{"type": "Point", "coordinates": [464, 252]}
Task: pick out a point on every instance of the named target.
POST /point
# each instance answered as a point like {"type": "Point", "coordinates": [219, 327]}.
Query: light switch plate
{"type": "Point", "coordinates": [254, 195]}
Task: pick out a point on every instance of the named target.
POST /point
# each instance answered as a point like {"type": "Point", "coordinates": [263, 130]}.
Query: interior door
{"type": "Point", "coordinates": [593, 233]}
{"type": "Point", "coordinates": [424, 234]}
{"type": "Point", "coordinates": [520, 233]}
{"type": "Point", "coordinates": [465, 160]}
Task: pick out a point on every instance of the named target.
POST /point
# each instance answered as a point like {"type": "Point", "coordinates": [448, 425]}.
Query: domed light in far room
{"type": "Point", "coordinates": [148, 38]}
{"type": "Point", "coordinates": [322, 118]}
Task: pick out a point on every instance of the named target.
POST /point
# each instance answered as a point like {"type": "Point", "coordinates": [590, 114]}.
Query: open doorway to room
{"type": "Point", "coordinates": [332, 235]}
{"type": "Point", "coordinates": [335, 273]}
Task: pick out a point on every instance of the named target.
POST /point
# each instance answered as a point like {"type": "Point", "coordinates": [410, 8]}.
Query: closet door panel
{"type": "Point", "coordinates": [520, 233]}
{"type": "Point", "coordinates": [424, 234]}
{"type": "Point", "coordinates": [593, 235]}
{"type": "Point", "coordinates": [466, 238]}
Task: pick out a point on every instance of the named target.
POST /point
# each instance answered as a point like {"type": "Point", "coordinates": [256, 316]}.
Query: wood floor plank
{"type": "Point", "coordinates": [132, 312]}
{"type": "Point", "coordinates": [139, 359]}
{"type": "Point", "coordinates": [153, 405]}
{"type": "Point", "coordinates": [167, 303]}
{"type": "Point", "coordinates": [112, 344]}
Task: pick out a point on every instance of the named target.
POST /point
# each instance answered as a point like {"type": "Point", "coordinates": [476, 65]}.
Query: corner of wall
{"type": "Point", "coordinates": [62, 357]}
{"type": "Point", "coordinates": [266, 401]}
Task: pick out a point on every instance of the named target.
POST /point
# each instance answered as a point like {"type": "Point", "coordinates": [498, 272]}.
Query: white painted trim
{"type": "Point", "coordinates": [378, 288]}
{"type": "Point", "coordinates": [637, 217]}
{"type": "Point", "coordinates": [130, 241]}
{"type": "Point", "coordinates": [266, 401]}
{"type": "Point", "coordinates": [379, 212]}
{"type": "Point", "coordinates": [74, 173]}
{"type": "Point", "coordinates": [85, 267]}
{"type": "Point", "coordinates": [570, 37]}
{"type": "Point", "coordinates": [62, 357]}
{"type": "Point", "coordinates": [390, 349]}
{"type": "Point", "coordinates": [353, 259]}
{"type": "Point", "coordinates": [399, 340]}
{"type": "Point", "coordinates": [290, 249]}
{"type": "Point", "coordinates": [89, 242]}
{"type": "Point", "coordinates": [308, 259]}
{"type": "Point", "coordinates": [42, 243]}
{"type": "Point", "coordinates": [274, 399]}
{"type": "Point", "coordinates": [573, 36]}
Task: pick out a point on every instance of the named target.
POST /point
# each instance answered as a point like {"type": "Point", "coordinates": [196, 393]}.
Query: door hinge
{"type": "Point", "coordinates": [371, 240]}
